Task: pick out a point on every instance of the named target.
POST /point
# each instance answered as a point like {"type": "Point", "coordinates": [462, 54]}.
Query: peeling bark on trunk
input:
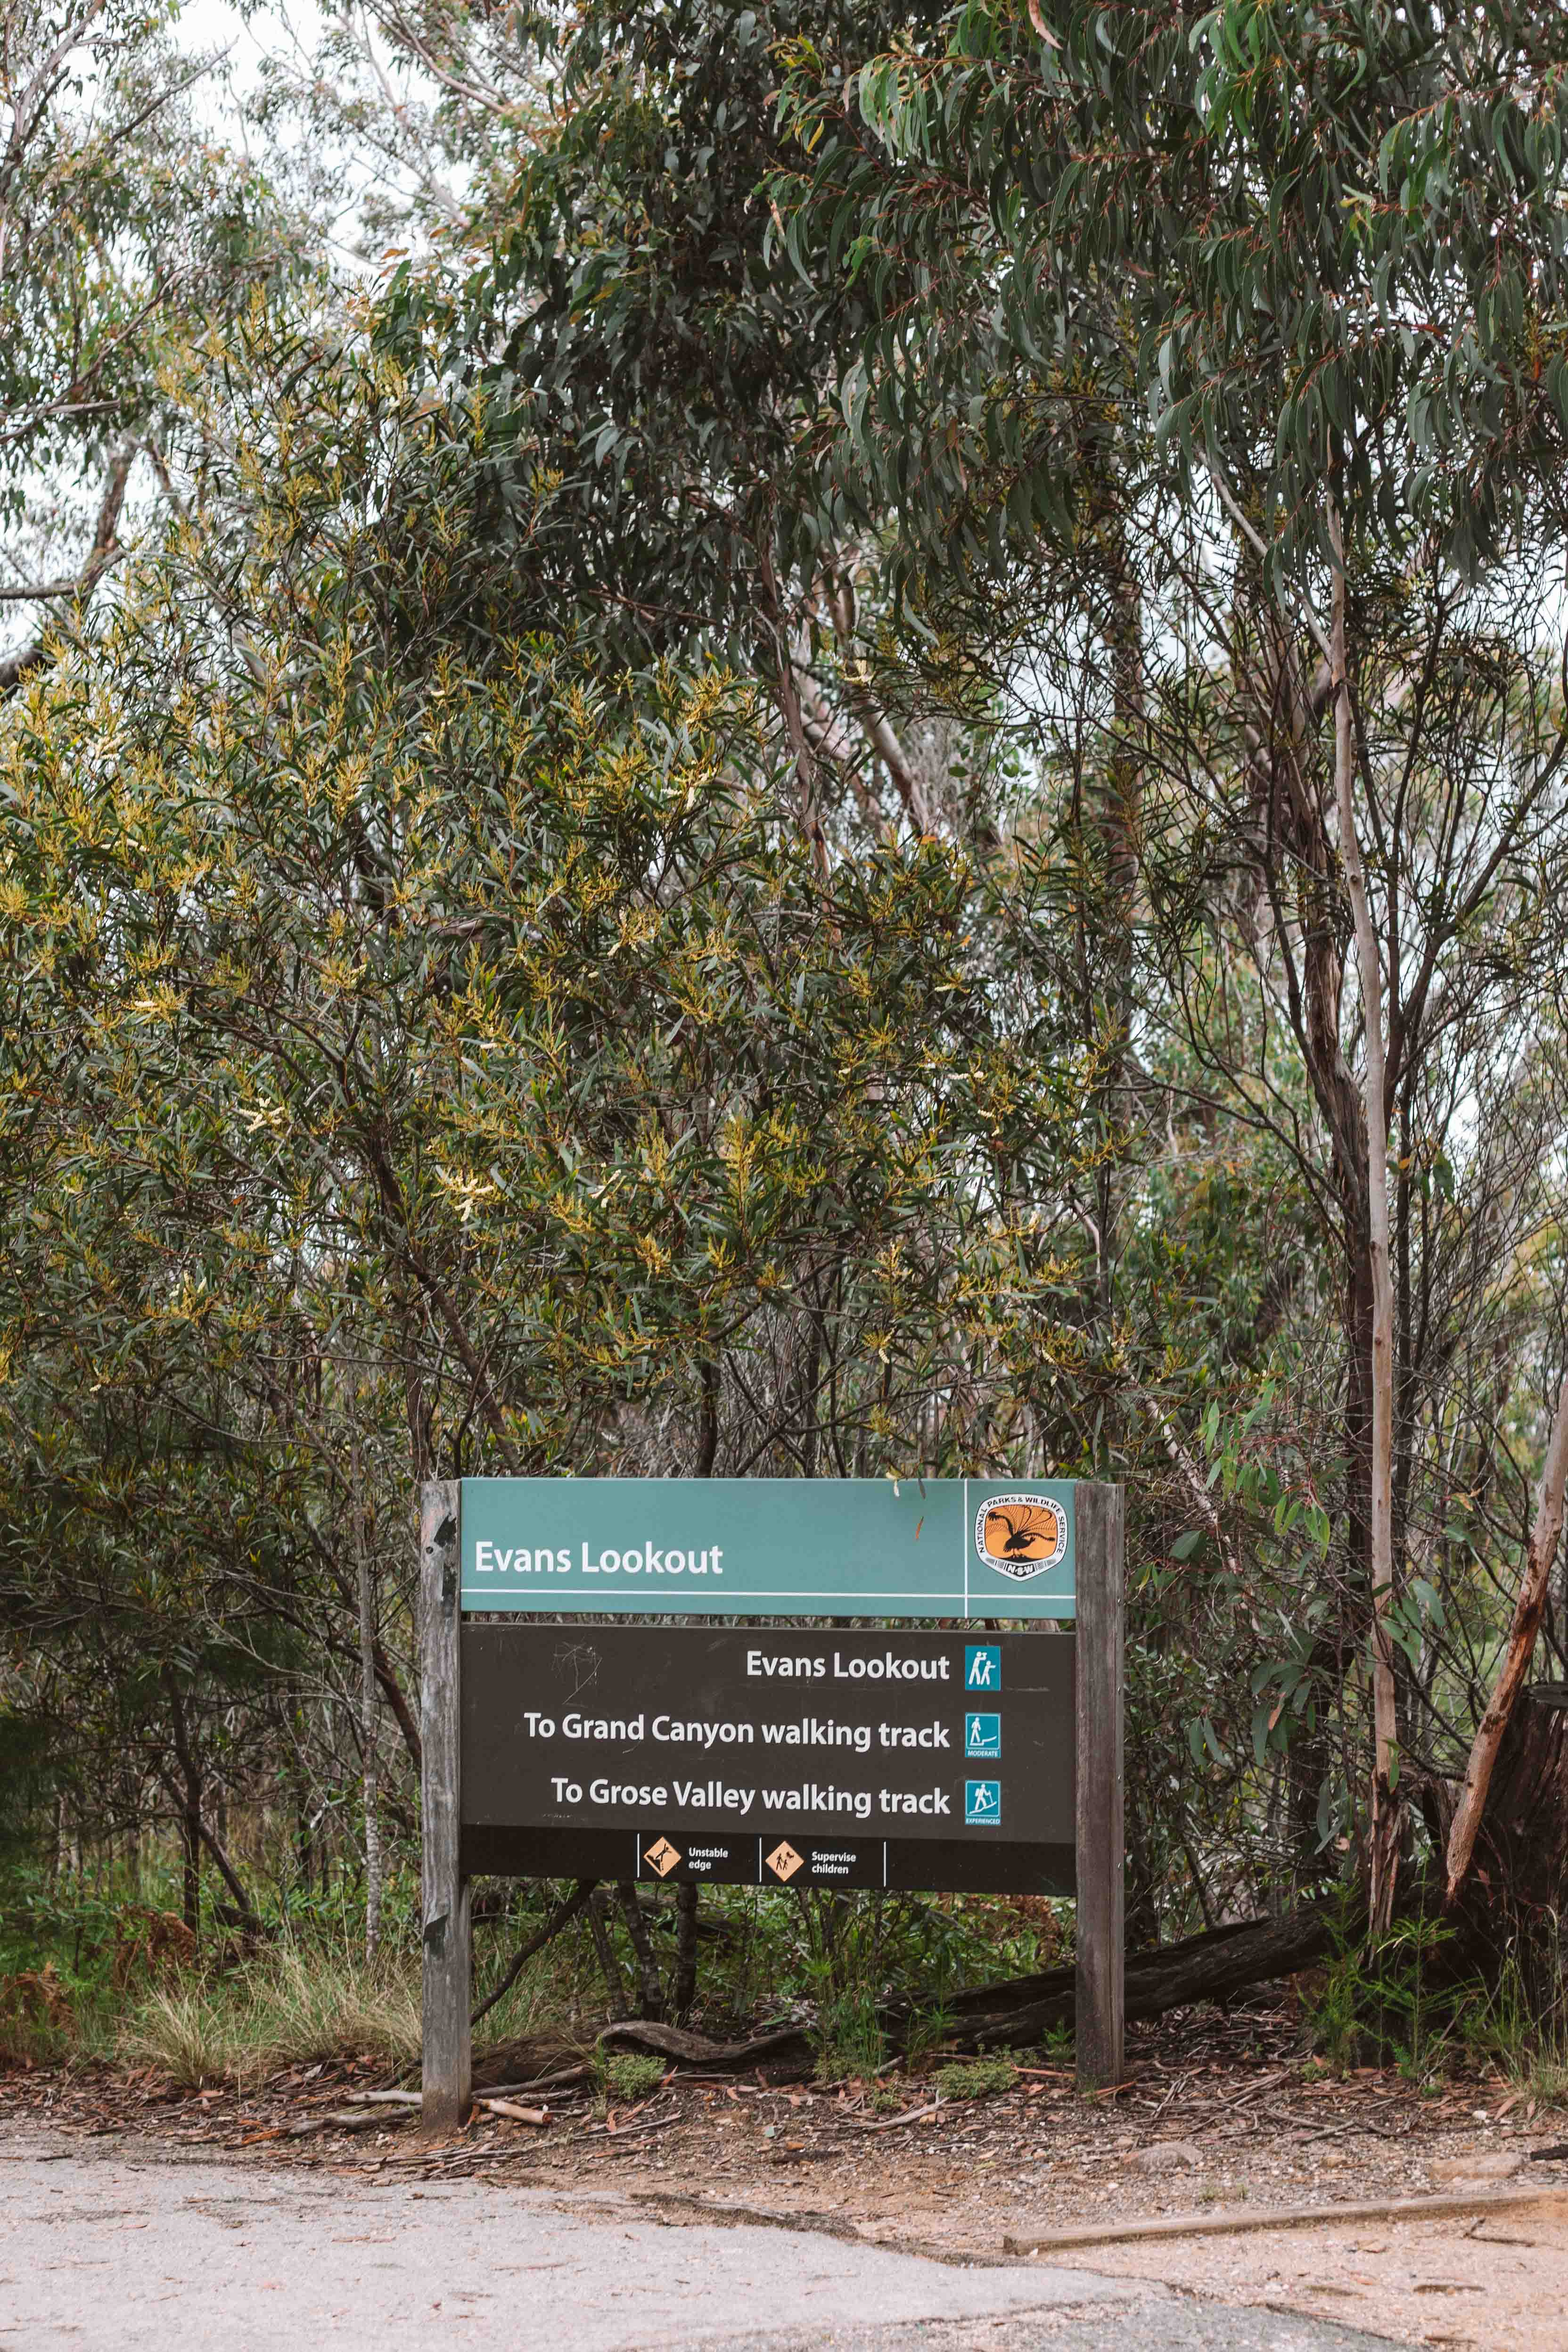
{"type": "Point", "coordinates": [1514, 1797]}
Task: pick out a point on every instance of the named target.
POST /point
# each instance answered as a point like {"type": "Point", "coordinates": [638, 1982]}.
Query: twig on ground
{"type": "Point", "coordinates": [631, 2131]}
{"type": "Point", "coordinates": [916, 2116]}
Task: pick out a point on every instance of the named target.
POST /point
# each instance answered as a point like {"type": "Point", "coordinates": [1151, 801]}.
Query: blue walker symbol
{"type": "Point", "coordinates": [982, 1666]}
{"type": "Point", "coordinates": [982, 1735]}
{"type": "Point", "coordinates": [982, 1803]}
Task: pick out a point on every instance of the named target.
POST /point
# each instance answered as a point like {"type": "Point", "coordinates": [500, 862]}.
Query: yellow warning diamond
{"type": "Point", "coordinates": [662, 1857]}
{"type": "Point", "coordinates": [784, 1862]}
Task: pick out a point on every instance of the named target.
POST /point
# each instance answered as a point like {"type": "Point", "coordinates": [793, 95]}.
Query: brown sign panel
{"type": "Point", "coordinates": [770, 1757]}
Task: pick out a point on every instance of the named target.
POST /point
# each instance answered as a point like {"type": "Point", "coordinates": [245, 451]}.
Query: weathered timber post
{"type": "Point", "coordinates": [1100, 2004]}
{"type": "Point", "coordinates": [447, 2076]}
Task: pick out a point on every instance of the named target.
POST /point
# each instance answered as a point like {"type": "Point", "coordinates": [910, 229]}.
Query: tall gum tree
{"type": "Point", "coordinates": [1321, 249]}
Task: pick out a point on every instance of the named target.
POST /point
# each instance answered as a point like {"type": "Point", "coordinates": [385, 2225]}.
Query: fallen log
{"type": "Point", "coordinates": [1211, 1967]}
{"type": "Point", "coordinates": [1020, 2011]}
{"type": "Point", "coordinates": [529, 2061]}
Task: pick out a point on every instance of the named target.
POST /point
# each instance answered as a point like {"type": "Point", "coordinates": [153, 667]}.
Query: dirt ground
{"type": "Point", "coordinates": [1217, 2119]}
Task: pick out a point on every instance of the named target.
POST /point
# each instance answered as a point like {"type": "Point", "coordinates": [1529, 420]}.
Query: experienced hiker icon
{"type": "Point", "coordinates": [982, 1804]}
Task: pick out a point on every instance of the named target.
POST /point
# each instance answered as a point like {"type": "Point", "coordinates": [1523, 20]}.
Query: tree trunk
{"type": "Point", "coordinates": [643, 1945]}
{"type": "Point", "coordinates": [604, 1951]}
{"type": "Point", "coordinates": [1519, 1865]}
{"type": "Point", "coordinates": [190, 1808]}
{"type": "Point", "coordinates": [368, 1711]}
{"type": "Point", "coordinates": [685, 1991]}
{"type": "Point", "coordinates": [1386, 1826]}
{"type": "Point", "coordinates": [393, 1692]}
{"type": "Point", "coordinates": [1515, 1797]}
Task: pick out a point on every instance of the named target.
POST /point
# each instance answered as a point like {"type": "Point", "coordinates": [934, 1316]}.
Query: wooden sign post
{"type": "Point", "coordinates": [447, 1931]}
{"type": "Point", "coordinates": [1099, 2003]}
{"type": "Point", "coordinates": [809, 1754]}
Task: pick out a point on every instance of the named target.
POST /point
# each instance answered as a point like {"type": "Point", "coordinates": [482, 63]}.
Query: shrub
{"type": "Point", "coordinates": [975, 2078]}
{"type": "Point", "coordinates": [630, 2076]}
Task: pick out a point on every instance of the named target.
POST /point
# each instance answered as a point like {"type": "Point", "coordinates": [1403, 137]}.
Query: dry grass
{"type": "Point", "coordinates": [290, 2007]}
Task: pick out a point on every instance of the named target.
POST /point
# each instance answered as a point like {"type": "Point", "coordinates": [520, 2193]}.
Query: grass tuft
{"type": "Point", "coordinates": [289, 2007]}
{"type": "Point", "coordinates": [977, 2078]}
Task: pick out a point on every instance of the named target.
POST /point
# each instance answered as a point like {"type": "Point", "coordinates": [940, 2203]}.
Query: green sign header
{"type": "Point", "coordinates": [771, 1547]}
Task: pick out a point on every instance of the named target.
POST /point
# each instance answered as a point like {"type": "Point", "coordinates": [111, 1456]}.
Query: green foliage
{"type": "Point", "coordinates": [1233, 214]}
{"type": "Point", "coordinates": [1389, 1997]}
{"type": "Point", "coordinates": [707, 841]}
{"type": "Point", "coordinates": [850, 2041]}
{"type": "Point", "coordinates": [975, 2078]}
{"type": "Point", "coordinates": [123, 228]}
{"type": "Point", "coordinates": [629, 2074]}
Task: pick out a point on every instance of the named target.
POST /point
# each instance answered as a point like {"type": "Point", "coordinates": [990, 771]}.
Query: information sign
{"type": "Point", "coordinates": [778, 1755]}
{"type": "Point", "coordinates": [769, 1547]}
{"type": "Point", "coordinates": [734, 1755]}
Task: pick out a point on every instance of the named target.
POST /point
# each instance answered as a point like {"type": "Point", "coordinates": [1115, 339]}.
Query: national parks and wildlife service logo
{"type": "Point", "coordinates": [1022, 1536]}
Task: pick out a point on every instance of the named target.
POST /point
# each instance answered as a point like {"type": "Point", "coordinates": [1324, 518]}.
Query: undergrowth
{"type": "Point", "coordinates": [290, 2007]}
{"type": "Point", "coordinates": [1398, 1999]}
{"type": "Point", "coordinates": [113, 1974]}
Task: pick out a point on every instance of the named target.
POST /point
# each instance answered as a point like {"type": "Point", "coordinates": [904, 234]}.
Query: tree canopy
{"type": "Point", "coordinates": [795, 741]}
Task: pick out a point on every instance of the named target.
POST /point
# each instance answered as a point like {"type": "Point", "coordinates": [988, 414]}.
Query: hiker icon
{"type": "Point", "coordinates": [983, 1735]}
{"type": "Point", "coordinates": [982, 1804]}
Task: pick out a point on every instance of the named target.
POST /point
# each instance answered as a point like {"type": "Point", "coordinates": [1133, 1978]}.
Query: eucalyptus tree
{"type": "Point", "coordinates": [586, 248]}
{"type": "Point", "coordinates": [1304, 264]}
{"type": "Point", "coordinates": [127, 227]}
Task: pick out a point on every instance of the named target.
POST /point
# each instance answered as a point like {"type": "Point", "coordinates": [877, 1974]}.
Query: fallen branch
{"type": "Point", "coordinates": [350, 2119]}
{"type": "Point", "coordinates": [895, 2123]}
{"type": "Point", "coordinates": [513, 2113]}
{"type": "Point", "coordinates": [564, 2082]}
{"type": "Point", "coordinates": [791, 2041]}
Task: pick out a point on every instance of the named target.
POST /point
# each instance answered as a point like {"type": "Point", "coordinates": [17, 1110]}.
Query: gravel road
{"type": "Point", "coordinates": [114, 2246]}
